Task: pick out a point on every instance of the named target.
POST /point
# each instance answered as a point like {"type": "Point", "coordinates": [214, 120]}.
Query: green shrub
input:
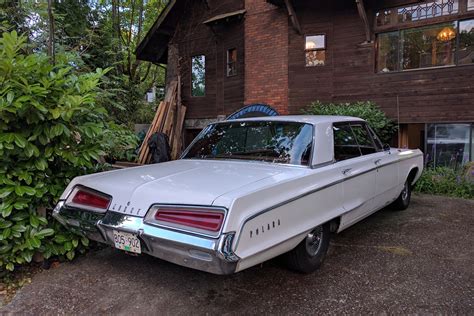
{"type": "Point", "coordinates": [445, 181]}
{"type": "Point", "coordinates": [381, 124]}
{"type": "Point", "coordinates": [49, 127]}
{"type": "Point", "coordinates": [119, 143]}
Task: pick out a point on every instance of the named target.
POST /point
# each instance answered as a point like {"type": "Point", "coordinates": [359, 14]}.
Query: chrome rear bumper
{"type": "Point", "coordinates": [197, 252]}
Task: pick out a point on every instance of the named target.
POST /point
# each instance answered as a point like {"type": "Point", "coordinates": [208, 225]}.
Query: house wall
{"type": "Point", "coordinates": [422, 96]}
{"type": "Point", "coordinates": [271, 64]}
{"type": "Point", "coordinates": [223, 94]}
{"type": "Point", "coordinates": [266, 55]}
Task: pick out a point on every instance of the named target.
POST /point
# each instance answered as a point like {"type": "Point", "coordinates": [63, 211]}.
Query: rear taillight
{"type": "Point", "coordinates": [206, 221]}
{"type": "Point", "coordinates": [211, 221]}
{"type": "Point", "coordinates": [88, 199]}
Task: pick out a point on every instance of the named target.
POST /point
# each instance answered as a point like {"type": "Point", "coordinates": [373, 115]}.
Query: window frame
{"type": "Point", "coordinates": [469, 7]}
{"type": "Point", "coordinates": [375, 138]}
{"type": "Point", "coordinates": [338, 125]}
{"type": "Point", "coordinates": [310, 164]}
{"type": "Point", "coordinates": [325, 48]}
{"type": "Point", "coordinates": [191, 75]}
{"type": "Point", "coordinates": [471, 138]}
{"type": "Point", "coordinates": [395, 24]}
{"type": "Point", "coordinates": [399, 30]}
{"type": "Point", "coordinates": [366, 127]}
{"type": "Point", "coordinates": [369, 131]}
{"type": "Point", "coordinates": [234, 62]}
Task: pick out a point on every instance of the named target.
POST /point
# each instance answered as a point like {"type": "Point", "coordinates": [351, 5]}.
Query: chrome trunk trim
{"type": "Point", "coordinates": [193, 251]}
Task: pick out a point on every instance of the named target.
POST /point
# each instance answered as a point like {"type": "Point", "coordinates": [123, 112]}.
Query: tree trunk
{"type": "Point", "coordinates": [51, 51]}
{"type": "Point", "coordinates": [136, 63]}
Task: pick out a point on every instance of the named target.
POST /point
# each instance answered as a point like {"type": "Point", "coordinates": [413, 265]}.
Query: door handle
{"type": "Point", "coordinates": [377, 161]}
{"type": "Point", "coordinates": [346, 171]}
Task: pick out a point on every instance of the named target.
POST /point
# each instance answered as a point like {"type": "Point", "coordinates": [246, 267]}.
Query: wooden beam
{"type": "Point", "coordinates": [293, 17]}
{"type": "Point", "coordinates": [363, 16]}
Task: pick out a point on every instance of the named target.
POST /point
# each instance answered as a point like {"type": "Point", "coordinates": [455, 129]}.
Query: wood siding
{"type": "Point", "coordinates": [428, 95]}
{"type": "Point", "coordinates": [224, 94]}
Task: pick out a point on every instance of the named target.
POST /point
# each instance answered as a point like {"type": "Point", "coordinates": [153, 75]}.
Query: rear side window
{"type": "Point", "coordinates": [363, 138]}
{"type": "Point", "coordinates": [378, 143]}
{"type": "Point", "coordinates": [345, 144]}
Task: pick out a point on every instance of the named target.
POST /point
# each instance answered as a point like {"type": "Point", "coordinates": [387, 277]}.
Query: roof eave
{"type": "Point", "coordinates": [140, 50]}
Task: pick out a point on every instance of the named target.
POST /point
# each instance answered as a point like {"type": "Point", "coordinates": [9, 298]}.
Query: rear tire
{"type": "Point", "coordinates": [309, 254]}
{"type": "Point", "coordinates": [403, 200]}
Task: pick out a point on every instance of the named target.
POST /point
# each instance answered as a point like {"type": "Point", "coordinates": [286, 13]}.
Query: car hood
{"type": "Point", "coordinates": [189, 182]}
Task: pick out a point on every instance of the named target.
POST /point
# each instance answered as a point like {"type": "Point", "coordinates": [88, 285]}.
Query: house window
{"type": "Point", "coordinates": [417, 12]}
{"type": "Point", "coordinates": [198, 76]}
{"type": "Point", "coordinates": [465, 53]}
{"type": "Point", "coordinates": [470, 4]}
{"type": "Point", "coordinates": [383, 17]}
{"type": "Point", "coordinates": [231, 62]}
{"type": "Point", "coordinates": [449, 145]}
{"type": "Point", "coordinates": [426, 47]}
{"type": "Point", "coordinates": [315, 50]}
{"type": "Point", "coordinates": [387, 52]}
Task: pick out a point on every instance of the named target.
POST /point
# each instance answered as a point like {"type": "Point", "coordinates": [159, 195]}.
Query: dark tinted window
{"type": "Point", "coordinates": [363, 138]}
{"type": "Point", "coordinates": [279, 142]}
{"type": "Point", "coordinates": [377, 141]}
{"type": "Point", "coordinates": [345, 144]}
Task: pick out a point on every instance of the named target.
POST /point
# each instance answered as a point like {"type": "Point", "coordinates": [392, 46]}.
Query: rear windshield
{"type": "Point", "coordinates": [278, 142]}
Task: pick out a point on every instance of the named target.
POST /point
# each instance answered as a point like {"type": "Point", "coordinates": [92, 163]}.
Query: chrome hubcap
{"type": "Point", "coordinates": [314, 241]}
{"type": "Point", "coordinates": [405, 192]}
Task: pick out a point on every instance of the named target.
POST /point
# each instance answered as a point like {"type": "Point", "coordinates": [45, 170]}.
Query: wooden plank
{"type": "Point", "coordinates": [159, 123]}
{"type": "Point", "coordinates": [178, 136]}
{"type": "Point", "coordinates": [144, 147]}
{"type": "Point", "coordinates": [159, 128]}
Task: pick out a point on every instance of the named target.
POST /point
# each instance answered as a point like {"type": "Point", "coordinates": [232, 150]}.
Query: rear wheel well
{"type": "Point", "coordinates": [412, 175]}
{"type": "Point", "coordinates": [334, 224]}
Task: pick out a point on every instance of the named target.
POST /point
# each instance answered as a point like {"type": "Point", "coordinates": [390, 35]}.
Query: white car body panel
{"type": "Point", "coordinates": [270, 207]}
{"type": "Point", "coordinates": [188, 182]}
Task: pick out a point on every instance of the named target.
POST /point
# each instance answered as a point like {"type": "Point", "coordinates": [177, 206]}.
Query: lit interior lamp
{"type": "Point", "coordinates": [310, 45]}
{"type": "Point", "coordinates": [446, 34]}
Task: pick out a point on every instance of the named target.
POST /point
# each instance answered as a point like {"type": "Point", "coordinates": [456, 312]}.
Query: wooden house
{"type": "Point", "coordinates": [414, 59]}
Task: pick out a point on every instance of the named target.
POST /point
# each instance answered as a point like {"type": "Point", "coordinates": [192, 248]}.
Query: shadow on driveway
{"type": "Point", "coordinates": [417, 261]}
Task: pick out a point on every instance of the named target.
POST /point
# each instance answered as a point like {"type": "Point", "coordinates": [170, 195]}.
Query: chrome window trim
{"type": "Point", "coordinates": [310, 160]}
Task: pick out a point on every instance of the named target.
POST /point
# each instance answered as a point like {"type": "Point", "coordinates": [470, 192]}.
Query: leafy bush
{"type": "Point", "coordinates": [445, 181]}
{"type": "Point", "coordinates": [124, 100]}
{"type": "Point", "coordinates": [381, 124]}
{"type": "Point", "coordinates": [119, 142]}
{"type": "Point", "coordinates": [49, 127]}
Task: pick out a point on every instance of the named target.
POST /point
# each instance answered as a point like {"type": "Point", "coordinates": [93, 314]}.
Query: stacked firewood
{"type": "Point", "coordinates": [169, 119]}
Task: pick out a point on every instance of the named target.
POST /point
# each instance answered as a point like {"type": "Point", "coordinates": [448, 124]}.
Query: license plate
{"type": "Point", "coordinates": [126, 241]}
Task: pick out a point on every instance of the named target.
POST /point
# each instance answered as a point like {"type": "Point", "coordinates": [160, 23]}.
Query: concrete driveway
{"type": "Point", "coordinates": [417, 261]}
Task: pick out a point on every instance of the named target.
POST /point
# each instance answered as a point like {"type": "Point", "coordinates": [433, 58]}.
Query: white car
{"type": "Point", "coordinates": [246, 191]}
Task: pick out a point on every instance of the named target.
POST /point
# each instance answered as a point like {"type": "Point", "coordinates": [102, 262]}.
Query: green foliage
{"type": "Point", "coordinates": [49, 126]}
{"type": "Point", "coordinates": [382, 125]}
{"type": "Point", "coordinates": [445, 181]}
{"type": "Point", "coordinates": [124, 100]}
{"type": "Point", "coordinates": [119, 142]}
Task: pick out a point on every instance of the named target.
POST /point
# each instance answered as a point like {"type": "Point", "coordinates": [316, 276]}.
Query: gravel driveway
{"type": "Point", "coordinates": [417, 261]}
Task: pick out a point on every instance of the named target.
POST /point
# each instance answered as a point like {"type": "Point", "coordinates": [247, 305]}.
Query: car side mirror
{"type": "Point", "coordinates": [386, 147]}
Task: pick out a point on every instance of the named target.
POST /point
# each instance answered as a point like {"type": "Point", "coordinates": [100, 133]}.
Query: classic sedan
{"type": "Point", "coordinates": [246, 191]}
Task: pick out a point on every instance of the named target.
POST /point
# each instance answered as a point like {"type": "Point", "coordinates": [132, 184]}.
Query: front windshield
{"type": "Point", "coordinates": [271, 141]}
